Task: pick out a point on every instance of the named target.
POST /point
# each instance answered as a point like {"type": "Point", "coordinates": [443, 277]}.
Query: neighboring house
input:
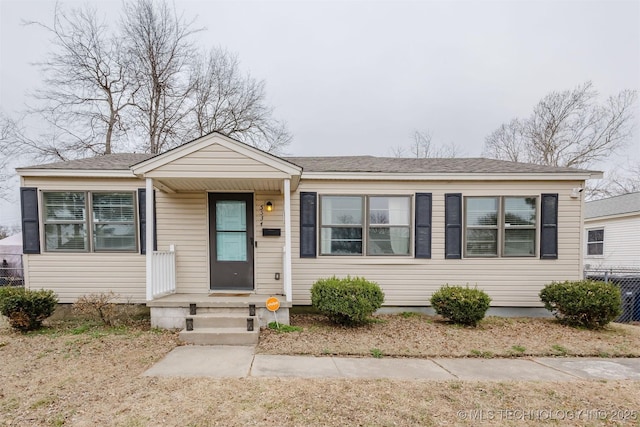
{"type": "Point", "coordinates": [612, 232]}
{"type": "Point", "coordinates": [233, 223]}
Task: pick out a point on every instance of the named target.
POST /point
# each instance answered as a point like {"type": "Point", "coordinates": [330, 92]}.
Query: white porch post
{"type": "Point", "coordinates": [287, 240]}
{"type": "Point", "coordinates": [149, 236]}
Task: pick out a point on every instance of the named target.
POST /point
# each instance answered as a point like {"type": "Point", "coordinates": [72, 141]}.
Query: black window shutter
{"type": "Point", "coordinates": [453, 226]}
{"type": "Point", "coordinates": [142, 213]}
{"type": "Point", "coordinates": [549, 226]}
{"type": "Point", "coordinates": [30, 220]}
{"type": "Point", "coordinates": [308, 204]}
{"type": "Point", "coordinates": [423, 225]}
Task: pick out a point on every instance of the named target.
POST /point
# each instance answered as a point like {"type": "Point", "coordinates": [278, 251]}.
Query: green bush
{"type": "Point", "coordinates": [462, 305]}
{"type": "Point", "coordinates": [584, 303]}
{"type": "Point", "coordinates": [348, 301]}
{"type": "Point", "coordinates": [25, 308]}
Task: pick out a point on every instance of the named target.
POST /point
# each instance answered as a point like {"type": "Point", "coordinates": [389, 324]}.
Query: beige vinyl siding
{"type": "Point", "coordinates": [268, 253]}
{"type": "Point", "coordinates": [216, 161]}
{"type": "Point", "coordinates": [71, 275]}
{"type": "Point", "coordinates": [407, 281]}
{"type": "Point", "coordinates": [621, 241]}
{"type": "Point", "coordinates": [182, 220]}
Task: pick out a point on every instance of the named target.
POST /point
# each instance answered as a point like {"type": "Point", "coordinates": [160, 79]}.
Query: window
{"type": "Point", "coordinates": [114, 226]}
{"type": "Point", "coordinates": [67, 227]}
{"type": "Point", "coordinates": [389, 226]}
{"type": "Point", "coordinates": [341, 229]}
{"type": "Point", "coordinates": [384, 230]}
{"type": "Point", "coordinates": [595, 242]}
{"type": "Point", "coordinates": [65, 217]}
{"type": "Point", "coordinates": [500, 226]}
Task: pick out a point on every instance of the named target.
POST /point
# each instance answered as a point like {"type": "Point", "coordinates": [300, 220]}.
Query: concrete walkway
{"type": "Point", "coordinates": [241, 362]}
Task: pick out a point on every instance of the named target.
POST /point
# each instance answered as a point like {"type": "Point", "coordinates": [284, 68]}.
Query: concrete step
{"type": "Point", "coordinates": [222, 320]}
{"type": "Point", "coordinates": [227, 310]}
{"type": "Point", "coordinates": [220, 336]}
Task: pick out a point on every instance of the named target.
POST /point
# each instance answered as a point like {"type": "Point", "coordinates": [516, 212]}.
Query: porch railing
{"type": "Point", "coordinates": [163, 273]}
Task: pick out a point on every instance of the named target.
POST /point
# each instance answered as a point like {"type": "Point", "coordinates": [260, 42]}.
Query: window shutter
{"type": "Point", "coordinates": [30, 220]}
{"type": "Point", "coordinates": [549, 226]}
{"type": "Point", "coordinates": [142, 214]}
{"type": "Point", "coordinates": [308, 204]}
{"type": "Point", "coordinates": [453, 226]}
{"type": "Point", "coordinates": [423, 225]}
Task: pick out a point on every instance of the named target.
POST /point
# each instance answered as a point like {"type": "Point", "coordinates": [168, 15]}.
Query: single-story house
{"type": "Point", "coordinates": [612, 232]}
{"type": "Point", "coordinates": [215, 221]}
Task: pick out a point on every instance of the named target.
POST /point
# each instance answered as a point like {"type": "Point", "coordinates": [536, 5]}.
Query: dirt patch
{"type": "Point", "coordinates": [417, 335]}
{"type": "Point", "coordinates": [86, 375]}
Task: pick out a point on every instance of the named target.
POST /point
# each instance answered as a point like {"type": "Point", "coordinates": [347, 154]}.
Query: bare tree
{"type": "Point", "coordinates": [85, 87]}
{"type": "Point", "coordinates": [160, 47]}
{"type": "Point", "coordinates": [569, 128]}
{"type": "Point", "coordinates": [624, 180]}
{"type": "Point", "coordinates": [233, 104]}
{"type": "Point", "coordinates": [142, 80]}
{"type": "Point", "coordinates": [423, 147]}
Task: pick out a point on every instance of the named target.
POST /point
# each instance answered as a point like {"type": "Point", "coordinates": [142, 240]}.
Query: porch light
{"type": "Point", "coordinates": [269, 206]}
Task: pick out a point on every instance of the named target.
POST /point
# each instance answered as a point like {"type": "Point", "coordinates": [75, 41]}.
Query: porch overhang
{"type": "Point", "coordinates": [217, 163]}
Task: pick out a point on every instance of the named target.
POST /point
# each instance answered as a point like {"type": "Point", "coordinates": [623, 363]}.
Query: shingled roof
{"type": "Point", "coordinates": [616, 205]}
{"type": "Point", "coordinates": [412, 165]}
{"type": "Point", "coordinates": [120, 161]}
{"type": "Point", "coordinates": [340, 164]}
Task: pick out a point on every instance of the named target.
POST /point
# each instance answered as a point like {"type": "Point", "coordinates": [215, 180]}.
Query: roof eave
{"type": "Point", "coordinates": [84, 173]}
{"type": "Point", "coordinates": [388, 176]}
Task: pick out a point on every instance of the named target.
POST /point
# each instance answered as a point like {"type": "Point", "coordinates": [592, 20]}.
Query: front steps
{"type": "Point", "coordinates": [230, 326]}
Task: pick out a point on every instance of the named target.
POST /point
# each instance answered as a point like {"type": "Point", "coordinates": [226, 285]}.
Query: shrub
{"type": "Point", "coordinates": [348, 301]}
{"type": "Point", "coordinates": [104, 308]}
{"type": "Point", "coordinates": [462, 305]}
{"type": "Point", "coordinates": [584, 303]}
{"type": "Point", "coordinates": [25, 308]}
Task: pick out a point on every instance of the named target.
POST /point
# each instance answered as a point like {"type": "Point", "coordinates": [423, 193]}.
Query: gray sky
{"type": "Point", "coordinates": [357, 77]}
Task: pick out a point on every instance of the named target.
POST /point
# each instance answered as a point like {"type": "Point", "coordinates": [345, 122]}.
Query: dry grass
{"type": "Point", "coordinates": [86, 376]}
{"type": "Point", "coordinates": [416, 335]}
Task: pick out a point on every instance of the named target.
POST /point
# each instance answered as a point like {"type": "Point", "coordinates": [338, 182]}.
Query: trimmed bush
{"type": "Point", "coordinates": [462, 305]}
{"type": "Point", "coordinates": [25, 308]}
{"type": "Point", "coordinates": [583, 303]}
{"type": "Point", "coordinates": [349, 301]}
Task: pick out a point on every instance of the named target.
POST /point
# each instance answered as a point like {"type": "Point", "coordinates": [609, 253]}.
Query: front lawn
{"type": "Point", "coordinates": [417, 335]}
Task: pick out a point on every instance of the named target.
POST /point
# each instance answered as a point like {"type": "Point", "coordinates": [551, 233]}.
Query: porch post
{"type": "Point", "coordinates": [287, 240]}
{"type": "Point", "coordinates": [150, 225]}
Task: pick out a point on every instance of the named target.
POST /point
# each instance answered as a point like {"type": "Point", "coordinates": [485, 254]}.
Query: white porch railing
{"type": "Point", "coordinates": [163, 273]}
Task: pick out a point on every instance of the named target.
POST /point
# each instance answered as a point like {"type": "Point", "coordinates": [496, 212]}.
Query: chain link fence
{"type": "Point", "coordinates": [11, 273]}
{"type": "Point", "coordinates": [628, 279]}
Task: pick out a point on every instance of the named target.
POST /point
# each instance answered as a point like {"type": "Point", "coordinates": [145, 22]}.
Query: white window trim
{"type": "Point", "coordinates": [586, 242]}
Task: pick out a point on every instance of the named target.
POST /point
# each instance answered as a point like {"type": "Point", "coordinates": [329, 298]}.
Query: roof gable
{"type": "Point", "coordinates": [211, 151]}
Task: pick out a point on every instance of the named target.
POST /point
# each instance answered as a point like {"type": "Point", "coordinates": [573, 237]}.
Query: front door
{"type": "Point", "coordinates": [231, 241]}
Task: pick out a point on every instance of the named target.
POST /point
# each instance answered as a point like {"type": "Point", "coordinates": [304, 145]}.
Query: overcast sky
{"type": "Point", "coordinates": [356, 77]}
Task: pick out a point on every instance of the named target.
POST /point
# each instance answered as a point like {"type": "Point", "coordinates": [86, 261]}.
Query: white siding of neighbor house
{"type": "Point", "coordinates": [71, 275]}
{"type": "Point", "coordinates": [407, 281]}
{"type": "Point", "coordinates": [621, 241]}
{"type": "Point", "coordinates": [216, 161]}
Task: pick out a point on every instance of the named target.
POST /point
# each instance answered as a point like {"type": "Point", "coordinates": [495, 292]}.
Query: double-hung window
{"type": "Point", "coordinates": [375, 225]}
{"type": "Point", "coordinates": [341, 229]}
{"type": "Point", "coordinates": [65, 221]}
{"type": "Point", "coordinates": [500, 226]}
{"type": "Point", "coordinates": [110, 227]}
{"type": "Point", "coordinates": [389, 225]}
{"type": "Point", "coordinates": [595, 242]}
